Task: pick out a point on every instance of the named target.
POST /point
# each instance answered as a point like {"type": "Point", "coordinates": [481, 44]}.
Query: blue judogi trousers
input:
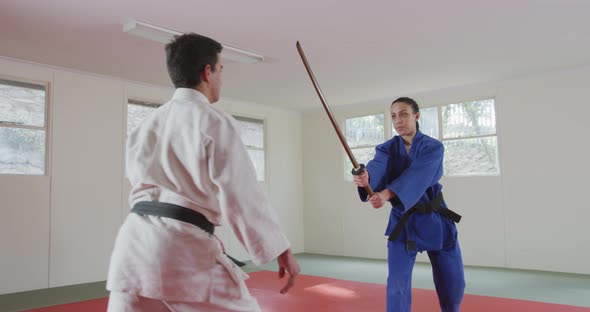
{"type": "Point", "coordinates": [447, 269]}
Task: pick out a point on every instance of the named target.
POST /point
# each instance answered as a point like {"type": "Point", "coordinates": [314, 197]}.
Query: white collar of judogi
{"type": "Point", "coordinates": [190, 95]}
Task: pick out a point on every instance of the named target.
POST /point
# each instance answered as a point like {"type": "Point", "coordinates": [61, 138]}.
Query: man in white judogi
{"type": "Point", "coordinates": [188, 153]}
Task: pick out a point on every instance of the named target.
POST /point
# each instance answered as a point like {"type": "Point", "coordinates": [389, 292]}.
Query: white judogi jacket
{"type": "Point", "coordinates": [189, 153]}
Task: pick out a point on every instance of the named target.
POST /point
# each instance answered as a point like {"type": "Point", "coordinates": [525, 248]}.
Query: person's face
{"type": "Point", "coordinates": [403, 118]}
{"type": "Point", "coordinates": [215, 80]}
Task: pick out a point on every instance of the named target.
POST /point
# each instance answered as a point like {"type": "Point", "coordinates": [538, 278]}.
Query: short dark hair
{"type": "Point", "coordinates": [187, 55]}
{"type": "Point", "coordinates": [410, 102]}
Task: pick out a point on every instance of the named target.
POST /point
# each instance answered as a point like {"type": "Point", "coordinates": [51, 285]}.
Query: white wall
{"type": "Point", "coordinates": [86, 176]}
{"type": "Point", "coordinates": [24, 233]}
{"type": "Point", "coordinates": [533, 216]}
{"type": "Point", "coordinates": [59, 229]}
{"type": "Point", "coordinates": [546, 168]}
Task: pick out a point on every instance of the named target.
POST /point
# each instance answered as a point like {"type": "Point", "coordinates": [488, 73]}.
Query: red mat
{"type": "Point", "coordinates": [319, 294]}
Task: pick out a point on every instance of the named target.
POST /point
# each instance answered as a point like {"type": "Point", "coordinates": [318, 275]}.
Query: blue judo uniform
{"type": "Point", "coordinates": [414, 179]}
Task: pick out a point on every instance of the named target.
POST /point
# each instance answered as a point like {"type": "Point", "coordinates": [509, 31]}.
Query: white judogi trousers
{"type": "Point", "coordinates": [160, 264]}
{"type": "Point", "coordinates": [124, 302]}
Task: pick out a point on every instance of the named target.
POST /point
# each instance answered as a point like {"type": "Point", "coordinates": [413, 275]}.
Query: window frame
{"type": "Point", "coordinates": [442, 139]}
{"type": "Point", "coordinates": [345, 160]}
{"type": "Point", "coordinates": [264, 149]}
{"type": "Point", "coordinates": [38, 85]}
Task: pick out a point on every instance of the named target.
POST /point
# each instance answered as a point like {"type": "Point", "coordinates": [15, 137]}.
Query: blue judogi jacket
{"type": "Point", "coordinates": [414, 179]}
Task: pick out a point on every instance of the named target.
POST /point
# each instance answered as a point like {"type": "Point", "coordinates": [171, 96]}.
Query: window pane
{"type": "Point", "coordinates": [469, 119]}
{"type": "Point", "coordinates": [366, 130]}
{"type": "Point", "coordinates": [428, 122]}
{"type": "Point", "coordinates": [257, 158]}
{"type": "Point", "coordinates": [362, 156]}
{"type": "Point", "coordinates": [252, 132]}
{"type": "Point", "coordinates": [22, 104]}
{"type": "Point", "coordinates": [136, 114]}
{"type": "Point", "coordinates": [478, 156]}
{"type": "Point", "coordinates": [22, 151]}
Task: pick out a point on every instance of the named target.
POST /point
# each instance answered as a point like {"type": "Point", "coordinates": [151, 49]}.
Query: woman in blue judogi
{"type": "Point", "coordinates": [405, 171]}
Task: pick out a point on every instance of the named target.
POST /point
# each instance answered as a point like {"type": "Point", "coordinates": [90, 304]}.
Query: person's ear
{"type": "Point", "coordinates": [206, 73]}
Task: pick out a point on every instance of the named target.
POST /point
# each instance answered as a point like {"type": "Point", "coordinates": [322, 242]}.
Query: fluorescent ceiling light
{"type": "Point", "coordinates": [165, 35]}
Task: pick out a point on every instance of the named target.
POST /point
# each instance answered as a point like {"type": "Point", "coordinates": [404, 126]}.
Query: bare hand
{"type": "Point", "coordinates": [361, 180]}
{"type": "Point", "coordinates": [288, 263]}
{"type": "Point", "coordinates": [376, 200]}
{"type": "Point", "coordinates": [379, 198]}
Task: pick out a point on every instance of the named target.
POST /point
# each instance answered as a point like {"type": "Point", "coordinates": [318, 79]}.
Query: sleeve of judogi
{"type": "Point", "coordinates": [377, 168]}
{"type": "Point", "coordinates": [425, 170]}
{"type": "Point", "coordinates": [242, 200]}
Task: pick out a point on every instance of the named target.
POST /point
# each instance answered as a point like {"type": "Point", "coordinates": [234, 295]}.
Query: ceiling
{"type": "Point", "coordinates": [358, 51]}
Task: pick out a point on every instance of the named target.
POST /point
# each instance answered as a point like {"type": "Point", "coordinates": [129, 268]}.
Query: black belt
{"type": "Point", "coordinates": [179, 213]}
{"type": "Point", "coordinates": [434, 205]}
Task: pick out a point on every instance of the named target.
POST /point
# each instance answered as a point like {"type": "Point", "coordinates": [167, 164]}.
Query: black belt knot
{"type": "Point", "coordinates": [433, 206]}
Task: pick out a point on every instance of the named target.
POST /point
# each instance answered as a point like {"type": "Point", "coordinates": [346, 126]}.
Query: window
{"type": "Point", "coordinates": [469, 136]}
{"type": "Point", "coordinates": [363, 134]}
{"type": "Point", "coordinates": [137, 111]}
{"type": "Point", "coordinates": [252, 134]}
{"type": "Point", "coordinates": [23, 128]}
